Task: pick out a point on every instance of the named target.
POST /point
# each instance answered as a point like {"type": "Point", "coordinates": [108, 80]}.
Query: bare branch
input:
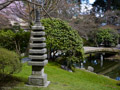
{"type": "Point", "coordinates": [6, 3]}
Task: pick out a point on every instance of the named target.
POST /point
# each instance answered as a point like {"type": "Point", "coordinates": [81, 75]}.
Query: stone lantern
{"type": "Point", "coordinates": [37, 54]}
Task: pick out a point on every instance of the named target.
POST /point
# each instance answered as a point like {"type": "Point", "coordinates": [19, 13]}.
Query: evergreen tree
{"type": "Point", "coordinates": [106, 5]}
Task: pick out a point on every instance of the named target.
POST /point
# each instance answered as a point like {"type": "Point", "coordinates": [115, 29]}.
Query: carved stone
{"type": "Point", "coordinates": [37, 33]}
{"type": "Point", "coordinates": [37, 63]}
{"type": "Point", "coordinates": [38, 56]}
{"type": "Point", "coordinates": [38, 39]}
{"type": "Point", "coordinates": [38, 28]}
{"type": "Point", "coordinates": [39, 51]}
{"type": "Point", "coordinates": [41, 45]}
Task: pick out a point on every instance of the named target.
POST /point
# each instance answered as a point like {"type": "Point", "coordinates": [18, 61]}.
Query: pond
{"type": "Point", "coordinates": [103, 66]}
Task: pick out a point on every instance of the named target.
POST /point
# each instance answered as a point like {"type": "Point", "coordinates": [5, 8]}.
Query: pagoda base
{"type": "Point", "coordinates": [40, 81]}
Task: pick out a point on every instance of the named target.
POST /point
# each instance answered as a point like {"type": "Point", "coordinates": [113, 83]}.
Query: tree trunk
{"type": "Point", "coordinates": [16, 46]}
{"type": "Point", "coordinates": [108, 5]}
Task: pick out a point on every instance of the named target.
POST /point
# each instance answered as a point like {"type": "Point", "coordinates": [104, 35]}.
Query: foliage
{"type": "Point", "coordinates": [7, 39]}
{"type": "Point", "coordinates": [61, 37]}
{"type": "Point", "coordinates": [14, 40]}
{"type": "Point", "coordinates": [9, 62]}
{"type": "Point", "coordinates": [22, 40]}
{"type": "Point", "coordinates": [108, 37]}
{"type": "Point", "coordinates": [105, 5]}
{"type": "Point", "coordinates": [88, 42]}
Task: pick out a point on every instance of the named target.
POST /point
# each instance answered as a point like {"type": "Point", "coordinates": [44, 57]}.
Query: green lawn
{"type": "Point", "coordinates": [63, 80]}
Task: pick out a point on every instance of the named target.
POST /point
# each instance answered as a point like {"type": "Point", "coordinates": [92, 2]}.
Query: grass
{"type": "Point", "coordinates": [64, 80]}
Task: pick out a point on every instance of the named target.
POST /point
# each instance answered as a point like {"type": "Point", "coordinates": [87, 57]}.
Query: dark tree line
{"type": "Point", "coordinates": [106, 5]}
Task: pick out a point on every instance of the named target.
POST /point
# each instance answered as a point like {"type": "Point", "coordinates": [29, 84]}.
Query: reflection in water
{"type": "Point", "coordinates": [82, 65]}
{"type": "Point", "coordinates": [102, 66]}
{"type": "Point", "coordinates": [101, 58]}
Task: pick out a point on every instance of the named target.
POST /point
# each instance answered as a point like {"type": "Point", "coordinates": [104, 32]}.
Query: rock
{"type": "Point", "coordinates": [23, 54]}
{"type": "Point", "coordinates": [70, 71]}
{"type": "Point", "coordinates": [118, 46]}
{"type": "Point", "coordinates": [66, 68]}
{"type": "Point", "coordinates": [62, 66]}
{"type": "Point", "coordinates": [90, 68]}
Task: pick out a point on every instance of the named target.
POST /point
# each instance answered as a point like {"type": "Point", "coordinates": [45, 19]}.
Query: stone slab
{"type": "Point", "coordinates": [37, 45]}
{"type": "Point", "coordinates": [46, 85]}
{"type": "Point", "coordinates": [37, 39]}
{"type": "Point", "coordinates": [38, 80]}
{"type": "Point", "coordinates": [38, 63]}
{"type": "Point", "coordinates": [38, 56]}
{"type": "Point", "coordinates": [37, 33]}
{"type": "Point", "coordinates": [39, 51]}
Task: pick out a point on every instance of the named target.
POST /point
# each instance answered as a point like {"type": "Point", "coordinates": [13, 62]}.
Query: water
{"type": "Point", "coordinates": [102, 66]}
{"type": "Point", "coordinates": [26, 59]}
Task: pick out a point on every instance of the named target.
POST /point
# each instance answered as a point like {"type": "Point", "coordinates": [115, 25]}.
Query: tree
{"type": "Point", "coordinates": [25, 9]}
{"type": "Point", "coordinates": [107, 37]}
{"type": "Point", "coordinates": [5, 3]}
{"type": "Point", "coordinates": [4, 22]}
{"type": "Point", "coordinates": [85, 25]}
{"type": "Point", "coordinates": [106, 5]}
{"type": "Point", "coordinates": [61, 37]}
{"type": "Point", "coordinates": [111, 18]}
{"type": "Point", "coordinates": [68, 9]}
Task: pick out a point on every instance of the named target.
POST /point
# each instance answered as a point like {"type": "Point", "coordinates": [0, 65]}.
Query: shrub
{"type": "Point", "coordinates": [61, 37]}
{"type": "Point", "coordinates": [7, 39]}
{"type": "Point", "coordinates": [17, 41]}
{"type": "Point", "coordinates": [9, 62]}
{"type": "Point", "coordinates": [107, 37]}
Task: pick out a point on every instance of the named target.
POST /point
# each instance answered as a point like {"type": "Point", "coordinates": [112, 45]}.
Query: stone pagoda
{"type": "Point", "coordinates": [37, 54]}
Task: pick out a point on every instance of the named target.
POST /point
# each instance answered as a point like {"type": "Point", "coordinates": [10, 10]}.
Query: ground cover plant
{"type": "Point", "coordinates": [9, 64]}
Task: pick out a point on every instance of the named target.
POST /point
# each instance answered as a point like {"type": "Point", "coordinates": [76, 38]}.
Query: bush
{"type": "Point", "coordinates": [17, 41]}
{"type": "Point", "coordinates": [61, 37]}
{"type": "Point", "coordinates": [9, 62]}
{"type": "Point", "coordinates": [7, 39]}
{"type": "Point", "coordinates": [107, 37]}
{"type": "Point", "coordinates": [88, 42]}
